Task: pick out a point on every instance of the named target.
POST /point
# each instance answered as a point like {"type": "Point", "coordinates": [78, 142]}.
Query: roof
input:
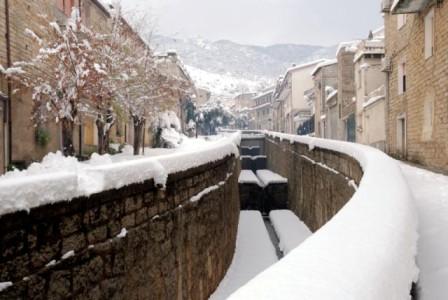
{"type": "Point", "coordinates": [102, 4]}
{"type": "Point", "coordinates": [262, 106]}
{"type": "Point", "coordinates": [325, 63]}
{"type": "Point", "coordinates": [303, 66]}
{"type": "Point", "coordinates": [350, 46]}
{"type": "Point", "coordinates": [270, 91]}
{"type": "Point", "coordinates": [409, 6]}
{"type": "Point", "coordinates": [379, 32]}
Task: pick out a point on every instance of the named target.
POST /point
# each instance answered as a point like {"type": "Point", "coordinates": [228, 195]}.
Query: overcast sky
{"type": "Point", "coordinates": [263, 22]}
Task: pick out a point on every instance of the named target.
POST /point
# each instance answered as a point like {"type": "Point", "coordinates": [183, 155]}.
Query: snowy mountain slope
{"type": "Point", "coordinates": [226, 66]}
{"type": "Point", "coordinates": [225, 86]}
{"type": "Point", "coordinates": [247, 61]}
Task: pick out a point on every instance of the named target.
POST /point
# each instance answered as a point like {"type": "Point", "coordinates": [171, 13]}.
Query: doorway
{"type": "Point", "coordinates": [401, 136]}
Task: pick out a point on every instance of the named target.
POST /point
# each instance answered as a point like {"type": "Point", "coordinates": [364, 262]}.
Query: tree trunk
{"type": "Point", "coordinates": [138, 131]}
{"type": "Point", "coordinates": [104, 134]}
{"type": "Point", "coordinates": [67, 137]}
{"type": "Point", "coordinates": [101, 149]}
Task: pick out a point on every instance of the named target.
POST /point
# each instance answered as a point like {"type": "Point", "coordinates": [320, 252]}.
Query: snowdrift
{"type": "Point", "coordinates": [60, 178]}
{"type": "Point", "coordinates": [367, 251]}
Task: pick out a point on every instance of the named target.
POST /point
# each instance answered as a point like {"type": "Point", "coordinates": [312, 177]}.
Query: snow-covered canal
{"type": "Point", "coordinates": [431, 195]}
{"type": "Point", "coordinates": [254, 253]}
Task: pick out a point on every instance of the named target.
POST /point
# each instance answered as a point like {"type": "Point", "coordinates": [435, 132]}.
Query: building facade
{"type": "Point", "coordinates": [346, 89]}
{"type": "Point", "coordinates": [416, 62]}
{"type": "Point", "coordinates": [325, 77]}
{"type": "Point", "coordinates": [20, 141]}
{"type": "Point", "coordinates": [263, 111]}
{"type": "Point", "coordinates": [290, 94]}
{"type": "Point", "coordinates": [370, 81]}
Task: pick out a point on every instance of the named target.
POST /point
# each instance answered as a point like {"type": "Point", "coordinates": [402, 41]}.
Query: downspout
{"type": "Point", "coordinates": [8, 100]}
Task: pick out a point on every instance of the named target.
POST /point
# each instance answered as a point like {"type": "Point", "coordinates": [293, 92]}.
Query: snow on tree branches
{"type": "Point", "coordinates": [78, 73]}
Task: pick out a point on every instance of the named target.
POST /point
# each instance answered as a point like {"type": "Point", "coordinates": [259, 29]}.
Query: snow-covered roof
{"type": "Point", "coordinates": [409, 6]}
{"type": "Point", "coordinates": [331, 95]}
{"type": "Point", "coordinates": [351, 46]}
{"type": "Point", "coordinates": [375, 95]}
{"type": "Point", "coordinates": [303, 66]}
{"type": "Point", "coordinates": [264, 105]}
{"type": "Point", "coordinates": [325, 63]}
{"type": "Point", "coordinates": [270, 91]}
{"type": "Point", "coordinates": [379, 32]}
{"type": "Point", "coordinates": [373, 100]}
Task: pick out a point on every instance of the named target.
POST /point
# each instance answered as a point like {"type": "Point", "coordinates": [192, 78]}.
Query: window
{"type": "Point", "coordinates": [428, 115]}
{"type": "Point", "coordinates": [429, 34]}
{"type": "Point", "coordinates": [401, 20]}
{"type": "Point", "coordinates": [402, 78]}
{"type": "Point", "coordinates": [359, 78]}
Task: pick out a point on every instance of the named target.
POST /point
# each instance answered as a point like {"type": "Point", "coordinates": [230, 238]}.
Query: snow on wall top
{"type": "Point", "coordinates": [248, 176]}
{"type": "Point", "coordinates": [367, 251]}
{"type": "Point", "coordinates": [268, 177]}
{"type": "Point", "coordinates": [60, 178]}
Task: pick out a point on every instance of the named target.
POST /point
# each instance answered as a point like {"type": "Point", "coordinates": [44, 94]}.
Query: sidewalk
{"type": "Point", "coordinates": [431, 196]}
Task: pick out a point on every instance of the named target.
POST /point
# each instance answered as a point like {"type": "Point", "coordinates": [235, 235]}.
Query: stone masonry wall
{"type": "Point", "coordinates": [424, 104]}
{"type": "Point", "coordinates": [174, 248]}
{"type": "Point", "coordinates": [315, 193]}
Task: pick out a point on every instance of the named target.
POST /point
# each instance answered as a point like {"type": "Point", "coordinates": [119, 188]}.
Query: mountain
{"type": "Point", "coordinates": [227, 67]}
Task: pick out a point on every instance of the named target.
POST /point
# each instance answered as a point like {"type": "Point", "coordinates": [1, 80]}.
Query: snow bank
{"type": "Point", "coordinates": [254, 253]}
{"type": "Point", "coordinates": [248, 177]}
{"type": "Point", "coordinates": [268, 177]}
{"type": "Point", "coordinates": [289, 229]}
{"type": "Point", "coordinates": [430, 191]}
{"type": "Point", "coordinates": [367, 251]}
{"type": "Point", "coordinates": [59, 178]}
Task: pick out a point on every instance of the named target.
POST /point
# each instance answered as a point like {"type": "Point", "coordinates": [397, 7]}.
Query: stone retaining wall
{"type": "Point", "coordinates": [319, 181]}
{"type": "Point", "coordinates": [173, 249]}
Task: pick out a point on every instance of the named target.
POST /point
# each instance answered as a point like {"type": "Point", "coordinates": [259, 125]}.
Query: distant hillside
{"type": "Point", "coordinates": [242, 66]}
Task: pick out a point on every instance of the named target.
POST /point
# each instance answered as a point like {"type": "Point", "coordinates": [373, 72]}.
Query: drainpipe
{"type": "Point", "coordinates": [8, 146]}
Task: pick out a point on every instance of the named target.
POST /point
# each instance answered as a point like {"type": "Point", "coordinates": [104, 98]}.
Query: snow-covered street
{"type": "Point", "coordinates": [431, 197]}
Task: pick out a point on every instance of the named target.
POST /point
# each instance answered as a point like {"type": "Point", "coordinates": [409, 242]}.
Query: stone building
{"type": "Point", "coordinates": [346, 89]}
{"type": "Point", "coordinates": [370, 83]}
{"type": "Point", "coordinates": [20, 142]}
{"type": "Point", "coordinates": [203, 96]}
{"type": "Point", "coordinates": [244, 101]}
{"type": "Point", "coordinates": [290, 95]}
{"type": "Point", "coordinates": [262, 110]}
{"type": "Point", "coordinates": [325, 78]}
{"type": "Point", "coordinates": [416, 61]}
{"type": "Point", "coordinates": [18, 135]}
{"type": "Point", "coordinates": [172, 65]}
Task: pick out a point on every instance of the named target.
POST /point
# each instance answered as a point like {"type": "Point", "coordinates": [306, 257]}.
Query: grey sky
{"type": "Point", "coordinates": [263, 22]}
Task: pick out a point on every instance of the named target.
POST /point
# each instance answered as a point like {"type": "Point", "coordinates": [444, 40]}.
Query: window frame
{"type": "Point", "coordinates": [429, 19]}
{"type": "Point", "coordinates": [402, 20]}
{"type": "Point", "coordinates": [402, 78]}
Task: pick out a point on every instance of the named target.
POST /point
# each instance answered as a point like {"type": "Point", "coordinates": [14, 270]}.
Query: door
{"type": "Point", "coordinates": [351, 128]}
{"type": "Point", "coordinates": [401, 136]}
{"type": "Point", "coordinates": [2, 135]}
